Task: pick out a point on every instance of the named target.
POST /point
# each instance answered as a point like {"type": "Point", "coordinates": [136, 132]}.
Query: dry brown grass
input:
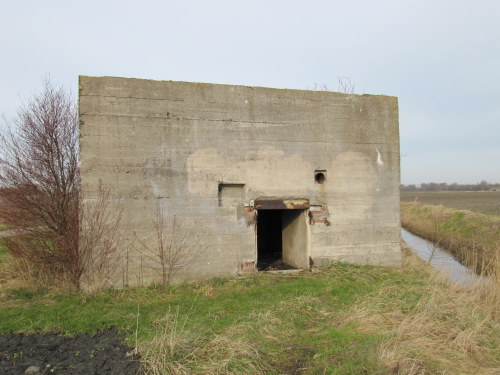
{"type": "Point", "coordinates": [432, 327]}
{"type": "Point", "coordinates": [175, 350]}
{"type": "Point", "coordinates": [10, 269]}
{"type": "Point", "coordinates": [473, 238]}
{"type": "Point", "coordinates": [18, 275]}
{"type": "Point", "coordinates": [445, 331]}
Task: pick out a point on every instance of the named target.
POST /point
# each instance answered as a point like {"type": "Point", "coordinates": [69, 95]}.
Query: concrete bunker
{"type": "Point", "coordinates": [283, 233]}
{"type": "Point", "coordinates": [246, 173]}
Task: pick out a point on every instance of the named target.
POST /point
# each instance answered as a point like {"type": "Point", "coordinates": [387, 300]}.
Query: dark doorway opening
{"type": "Point", "coordinates": [283, 234]}
{"type": "Point", "coordinates": [269, 238]}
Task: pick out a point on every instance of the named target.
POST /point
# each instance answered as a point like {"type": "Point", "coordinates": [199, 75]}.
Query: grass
{"type": "Point", "coordinates": [486, 202]}
{"type": "Point", "coordinates": [473, 238]}
{"type": "Point", "coordinates": [338, 320]}
{"type": "Point", "coordinates": [450, 330]}
{"type": "Point", "coordinates": [3, 225]}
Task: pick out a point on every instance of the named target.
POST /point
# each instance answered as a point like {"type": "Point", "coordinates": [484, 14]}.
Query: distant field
{"type": "Point", "coordinates": [486, 202]}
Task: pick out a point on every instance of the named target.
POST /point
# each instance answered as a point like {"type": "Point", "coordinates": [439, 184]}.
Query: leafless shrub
{"type": "Point", "coordinates": [175, 247]}
{"type": "Point", "coordinates": [40, 183]}
{"type": "Point", "coordinates": [99, 240]}
{"type": "Point", "coordinates": [39, 174]}
{"type": "Point", "coordinates": [345, 85]}
{"type": "Point", "coordinates": [320, 87]}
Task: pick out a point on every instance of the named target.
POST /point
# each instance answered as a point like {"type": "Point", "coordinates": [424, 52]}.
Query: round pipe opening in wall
{"type": "Point", "coordinates": [319, 177]}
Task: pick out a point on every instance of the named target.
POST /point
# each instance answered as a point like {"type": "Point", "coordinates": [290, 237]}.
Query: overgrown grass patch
{"type": "Point", "coordinates": [338, 320]}
{"type": "Point", "coordinates": [3, 250]}
{"type": "Point", "coordinates": [473, 238]}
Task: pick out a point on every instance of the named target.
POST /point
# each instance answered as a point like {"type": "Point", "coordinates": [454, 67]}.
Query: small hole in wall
{"type": "Point", "coordinates": [320, 176]}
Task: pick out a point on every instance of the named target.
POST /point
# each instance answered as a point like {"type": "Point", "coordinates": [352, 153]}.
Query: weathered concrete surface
{"type": "Point", "coordinates": [296, 238]}
{"type": "Point", "coordinates": [205, 152]}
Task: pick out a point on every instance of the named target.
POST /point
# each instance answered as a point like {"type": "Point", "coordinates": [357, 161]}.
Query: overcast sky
{"type": "Point", "coordinates": [441, 58]}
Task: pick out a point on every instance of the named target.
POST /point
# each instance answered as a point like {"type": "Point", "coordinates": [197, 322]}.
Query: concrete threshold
{"type": "Point", "coordinates": [295, 270]}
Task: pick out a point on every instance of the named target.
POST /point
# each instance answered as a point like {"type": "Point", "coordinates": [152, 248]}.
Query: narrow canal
{"type": "Point", "coordinates": [440, 259]}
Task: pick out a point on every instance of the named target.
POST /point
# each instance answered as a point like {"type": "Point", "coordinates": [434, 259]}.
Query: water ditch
{"type": "Point", "coordinates": [440, 259]}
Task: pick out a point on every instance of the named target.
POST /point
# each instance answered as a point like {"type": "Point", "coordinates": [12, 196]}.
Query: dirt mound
{"type": "Point", "coordinates": [278, 265]}
{"type": "Point", "coordinates": [51, 353]}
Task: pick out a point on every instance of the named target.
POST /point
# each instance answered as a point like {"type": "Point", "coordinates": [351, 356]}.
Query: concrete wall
{"type": "Point", "coordinates": [204, 152]}
{"type": "Point", "coordinates": [296, 238]}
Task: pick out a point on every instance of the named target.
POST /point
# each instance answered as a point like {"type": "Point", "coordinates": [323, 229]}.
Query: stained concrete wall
{"type": "Point", "coordinates": [178, 144]}
{"type": "Point", "coordinates": [296, 238]}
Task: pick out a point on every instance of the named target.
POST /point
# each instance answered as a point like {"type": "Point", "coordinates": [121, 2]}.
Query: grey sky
{"type": "Point", "coordinates": [441, 58]}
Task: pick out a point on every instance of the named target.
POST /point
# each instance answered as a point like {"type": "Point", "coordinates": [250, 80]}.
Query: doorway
{"type": "Point", "coordinates": [283, 239]}
{"type": "Point", "coordinates": [269, 239]}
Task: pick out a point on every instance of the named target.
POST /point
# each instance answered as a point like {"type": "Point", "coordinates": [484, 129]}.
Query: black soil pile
{"type": "Point", "coordinates": [51, 353]}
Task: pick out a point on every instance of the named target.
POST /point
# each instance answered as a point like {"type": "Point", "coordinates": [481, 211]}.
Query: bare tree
{"type": "Point", "coordinates": [40, 179]}
{"type": "Point", "coordinates": [175, 247]}
{"type": "Point", "coordinates": [39, 173]}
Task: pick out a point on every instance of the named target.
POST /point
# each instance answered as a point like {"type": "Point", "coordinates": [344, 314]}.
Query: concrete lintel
{"type": "Point", "coordinates": [281, 204]}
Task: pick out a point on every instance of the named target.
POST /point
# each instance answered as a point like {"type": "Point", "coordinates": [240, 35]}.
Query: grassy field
{"type": "Point", "coordinates": [486, 202]}
{"type": "Point", "coordinates": [337, 320]}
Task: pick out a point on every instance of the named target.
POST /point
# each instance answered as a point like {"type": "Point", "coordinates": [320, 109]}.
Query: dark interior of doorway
{"type": "Point", "coordinates": [269, 240]}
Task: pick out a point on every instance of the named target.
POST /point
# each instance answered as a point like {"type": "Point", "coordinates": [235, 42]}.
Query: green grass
{"type": "Point", "coordinates": [284, 316]}
{"type": "Point", "coordinates": [233, 300]}
{"type": "Point", "coordinates": [312, 323]}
